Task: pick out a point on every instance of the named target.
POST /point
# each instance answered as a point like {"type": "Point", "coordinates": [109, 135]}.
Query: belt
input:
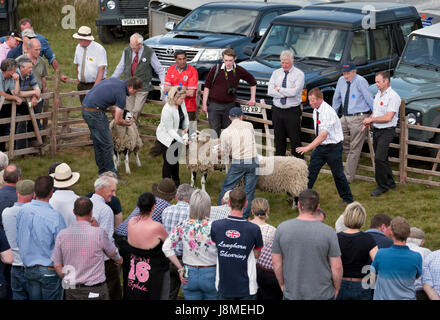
{"type": "Point", "coordinates": [86, 82]}
{"type": "Point", "coordinates": [40, 266]}
{"type": "Point", "coordinates": [287, 108]}
{"type": "Point", "coordinates": [352, 279]}
{"type": "Point", "coordinates": [201, 267]}
{"type": "Point", "coordinates": [265, 270]}
{"type": "Point", "coordinates": [80, 285]}
{"type": "Point", "coordinates": [92, 109]}
{"type": "Point", "coordinates": [330, 144]}
{"type": "Point", "coordinates": [387, 128]}
{"type": "Point", "coordinates": [357, 114]}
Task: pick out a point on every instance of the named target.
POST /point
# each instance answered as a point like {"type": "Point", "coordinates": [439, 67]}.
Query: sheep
{"type": "Point", "coordinates": [276, 174]}
{"type": "Point", "coordinates": [125, 140]}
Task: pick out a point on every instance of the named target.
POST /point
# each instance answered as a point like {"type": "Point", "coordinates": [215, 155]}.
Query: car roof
{"type": "Point", "coordinates": [431, 31]}
{"type": "Point", "coordinates": [258, 5]}
{"type": "Point", "coordinates": [349, 15]}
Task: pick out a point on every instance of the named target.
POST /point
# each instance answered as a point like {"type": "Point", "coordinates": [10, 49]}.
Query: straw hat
{"type": "Point", "coordinates": [84, 33]}
{"type": "Point", "coordinates": [64, 177]}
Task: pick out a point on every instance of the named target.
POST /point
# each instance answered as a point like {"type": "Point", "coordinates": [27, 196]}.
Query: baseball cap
{"type": "Point", "coordinates": [29, 33]}
{"type": "Point", "coordinates": [15, 35]}
{"type": "Point", "coordinates": [416, 233]}
{"type": "Point", "coordinates": [25, 187]}
{"type": "Point", "coordinates": [348, 67]}
{"type": "Point", "coordinates": [235, 112]}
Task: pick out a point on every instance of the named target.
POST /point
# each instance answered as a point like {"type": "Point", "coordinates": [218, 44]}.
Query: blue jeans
{"type": "Point", "coordinates": [241, 168]}
{"type": "Point", "coordinates": [102, 139]}
{"type": "Point", "coordinates": [251, 297]}
{"type": "Point", "coordinates": [43, 283]}
{"type": "Point", "coordinates": [19, 284]}
{"type": "Point", "coordinates": [352, 290]}
{"type": "Point", "coordinates": [201, 284]}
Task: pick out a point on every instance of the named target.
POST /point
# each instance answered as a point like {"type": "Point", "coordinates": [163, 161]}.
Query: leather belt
{"type": "Point", "coordinates": [367, 113]}
{"type": "Point", "coordinates": [200, 267]}
{"type": "Point", "coordinates": [92, 109]}
{"type": "Point", "coordinates": [80, 285]}
{"type": "Point", "coordinates": [352, 279]}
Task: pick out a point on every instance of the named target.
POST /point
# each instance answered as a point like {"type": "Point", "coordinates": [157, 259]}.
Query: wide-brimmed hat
{"type": "Point", "coordinates": [84, 33]}
{"type": "Point", "coordinates": [64, 177]}
{"type": "Point", "coordinates": [166, 189]}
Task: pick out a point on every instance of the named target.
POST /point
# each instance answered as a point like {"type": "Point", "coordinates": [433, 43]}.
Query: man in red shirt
{"type": "Point", "coordinates": [185, 75]}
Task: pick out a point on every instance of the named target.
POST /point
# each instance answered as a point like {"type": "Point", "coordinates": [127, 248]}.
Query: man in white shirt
{"type": "Point", "coordinates": [64, 197]}
{"type": "Point", "coordinates": [105, 188]}
{"type": "Point", "coordinates": [386, 107]}
{"type": "Point", "coordinates": [327, 146]}
{"type": "Point", "coordinates": [285, 86]}
{"type": "Point", "coordinates": [90, 59]}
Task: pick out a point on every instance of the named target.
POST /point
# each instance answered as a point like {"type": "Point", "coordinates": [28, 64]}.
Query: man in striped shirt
{"type": "Point", "coordinates": [79, 253]}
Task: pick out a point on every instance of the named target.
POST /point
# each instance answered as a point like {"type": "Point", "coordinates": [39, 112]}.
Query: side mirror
{"type": "Point", "coordinates": [169, 26]}
{"type": "Point", "coordinates": [248, 50]}
{"type": "Point", "coordinates": [360, 61]}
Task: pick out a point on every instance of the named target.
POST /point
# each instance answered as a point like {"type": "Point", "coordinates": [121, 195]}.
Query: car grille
{"type": "Point", "coordinates": [134, 8]}
{"type": "Point", "coordinates": [167, 54]}
{"type": "Point", "coordinates": [244, 92]}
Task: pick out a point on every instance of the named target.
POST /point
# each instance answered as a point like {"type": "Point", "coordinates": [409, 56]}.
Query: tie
{"type": "Point", "coordinates": [83, 66]}
{"type": "Point", "coordinates": [317, 123]}
{"type": "Point", "coordinates": [347, 96]}
{"type": "Point", "coordinates": [134, 64]}
{"type": "Point", "coordinates": [284, 85]}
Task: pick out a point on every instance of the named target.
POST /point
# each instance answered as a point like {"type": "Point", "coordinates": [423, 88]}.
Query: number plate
{"type": "Point", "coordinates": [250, 109]}
{"type": "Point", "coordinates": [134, 22]}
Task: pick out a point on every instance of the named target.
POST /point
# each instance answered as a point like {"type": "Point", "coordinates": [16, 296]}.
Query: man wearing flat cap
{"type": "Point", "coordinates": [25, 193]}
{"type": "Point", "coordinates": [238, 143]}
{"type": "Point", "coordinates": [12, 40]}
{"type": "Point", "coordinates": [357, 103]}
{"type": "Point", "coordinates": [90, 59]}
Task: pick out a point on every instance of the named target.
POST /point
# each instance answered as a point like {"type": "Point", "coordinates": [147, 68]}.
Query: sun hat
{"type": "Point", "coordinates": [64, 177]}
{"type": "Point", "coordinates": [84, 33]}
{"type": "Point", "coordinates": [166, 189]}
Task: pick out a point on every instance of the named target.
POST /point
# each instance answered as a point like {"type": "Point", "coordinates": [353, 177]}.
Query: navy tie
{"type": "Point", "coordinates": [347, 96]}
{"type": "Point", "coordinates": [284, 85]}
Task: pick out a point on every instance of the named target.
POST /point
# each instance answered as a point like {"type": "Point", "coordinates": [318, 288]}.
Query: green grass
{"type": "Point", "coordinates": [418, 203]}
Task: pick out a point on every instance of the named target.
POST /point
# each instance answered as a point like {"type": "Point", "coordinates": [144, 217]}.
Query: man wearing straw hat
{"type": "Point", "coordinates": [64, 197]}
{"type": "Point", "coordinates": [90, 59]}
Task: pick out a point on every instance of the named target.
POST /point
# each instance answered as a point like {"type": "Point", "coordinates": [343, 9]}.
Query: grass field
{"type": "Point", "coordinates": [417, 203]}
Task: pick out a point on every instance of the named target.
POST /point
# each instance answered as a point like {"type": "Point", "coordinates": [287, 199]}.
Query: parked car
{"type": "Point", "coordinates": [209, 29]}
{"type": "Point", "coordinates": [323, 37]}
{"type": "Point", "coordinates": [8, 16]}
{"type": "Point", "coordinates": [417, 80]}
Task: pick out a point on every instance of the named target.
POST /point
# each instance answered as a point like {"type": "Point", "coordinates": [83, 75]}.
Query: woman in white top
{"type": "Point", "coordinates": [199, 251]}
{"type": "Point", "coordinates": [172, 131]}
{"type": "Point", "coordinates": [268, 287]}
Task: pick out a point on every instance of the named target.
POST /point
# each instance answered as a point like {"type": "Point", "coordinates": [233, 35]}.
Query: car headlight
{"type": "Point", "coordinates": [111, 5]}
{"type": "Point", "coordinates": [211, 55]}
{"type": "Point", "coordinates": [412, 119]}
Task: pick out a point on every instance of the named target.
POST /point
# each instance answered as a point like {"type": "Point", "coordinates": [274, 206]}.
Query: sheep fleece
{"type": "Point", "coordinates": [125, 137]}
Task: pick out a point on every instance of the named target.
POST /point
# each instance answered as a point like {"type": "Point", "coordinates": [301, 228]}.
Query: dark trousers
{"type": "Point", "coordinates": [332, 155]}
{"type": "Point", "coordinates": [287, 124]}
{"type": "Point", "coordinates": [5, 112]}
{"type": "Point", "coordinates": [26, 126]}
{"type": "Point", "coordinates": [174, 280]}
{"type": "Point", "coordinates": [122, 244]}
{"type": "Point", "coordinates": [381, 143]}
{"type": "Point", "coordinates": [113, 280]}
{"type": "Point", "coordinates": [218, 116]}
{"type": "Point", "coordinates": [170, 155]}
{"type": "Point", "coordinates": [100, 292]}
{"type": "Point", "coordinates": [84, 86]}
{"type": "Point", "coordinates": [268, 286]}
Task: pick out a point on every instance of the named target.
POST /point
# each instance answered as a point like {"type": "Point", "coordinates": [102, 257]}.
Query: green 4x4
{"type": "Point", "coordinates": [417, 80]}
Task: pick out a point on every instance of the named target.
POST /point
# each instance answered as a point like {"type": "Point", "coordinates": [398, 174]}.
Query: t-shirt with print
{"type": "Point", "coordinates": [236, 238]}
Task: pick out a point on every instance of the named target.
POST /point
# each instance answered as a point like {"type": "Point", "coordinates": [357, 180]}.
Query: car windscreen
{"type": "Point", "coordinates": [305, 42]}
{"type": "Point", "coordinates": [219, 20]}
{"type": "Point", "coordinates": [422, 51]}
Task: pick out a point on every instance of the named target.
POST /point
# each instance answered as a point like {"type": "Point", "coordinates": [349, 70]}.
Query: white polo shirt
{"type": "Point", "coordinates": [389, 101]}
{"type": "Point", "coordinates": [96, 56]}
{"type": "Point", "coordinates": [328, 121]}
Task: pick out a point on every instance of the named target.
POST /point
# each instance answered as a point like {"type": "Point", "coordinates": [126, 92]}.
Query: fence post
{"type": "Point", "coordinates": [12, 130]}
{"type": "Point", "coordinates": [56, 105]}
{"type": "Point", "coordinates": [403, 151]}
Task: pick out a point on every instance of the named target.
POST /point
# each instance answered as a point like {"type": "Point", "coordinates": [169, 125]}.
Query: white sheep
{"type": "Point", "coordinates": [126, 140]}
{"type": "Point", "coordinates": [276, 174]}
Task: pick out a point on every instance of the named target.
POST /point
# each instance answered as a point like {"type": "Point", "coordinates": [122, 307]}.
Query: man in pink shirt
{"type": "Point", "coordinates": [78, 256]}
{"type": "Point", "coordinates": [11, 42]}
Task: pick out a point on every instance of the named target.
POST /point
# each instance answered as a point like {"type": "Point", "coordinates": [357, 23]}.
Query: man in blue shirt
{"type": "Point", "coordinates": [395, 269]}
{"type": "Point", "coordinates": [357, 103]}
{"type": "Point", "coordinates": [8, 194]}
{"type": "Point", "coordinates": [38, 225]}
{"type": "Point", "coordinates": [239, 243]}
{"type": "Point", "coordinates": [107, 93]}
{"type": "Point", "coordinates": [380, 230]}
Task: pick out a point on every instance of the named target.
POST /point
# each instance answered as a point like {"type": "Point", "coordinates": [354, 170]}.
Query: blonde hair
{"type": "Point", "coordinates": [174, 93]}
{"type": "Point", "coordinates": [354, 215]}
{"type": "Point", "coordinates": [260, 207]}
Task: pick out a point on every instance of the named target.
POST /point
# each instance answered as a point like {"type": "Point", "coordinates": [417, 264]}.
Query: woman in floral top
{"type": "Point", "coordinates": [199, 251]}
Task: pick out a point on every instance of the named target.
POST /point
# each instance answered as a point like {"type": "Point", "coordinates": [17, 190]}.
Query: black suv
{"type": "Point", "coordinates": [207, 30]}
{"type": "Point", "coordinates": [323, 37]}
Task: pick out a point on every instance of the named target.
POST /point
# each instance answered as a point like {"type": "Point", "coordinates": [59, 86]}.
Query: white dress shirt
{"type": "Point", "coordinates": [293, 90]}
{"type": "Point", "coordinates": [154, 62]}
{"type": "Point", "coordinates": [104, 216]}
{"type": "Point", "coordinates": [96, 56]}
{"type": "Point", "coordinates": [63, 201]}
{"type": "Point", "coordinates": [389, 101]}
{"type": "Point", "coordinates": [328, 121]}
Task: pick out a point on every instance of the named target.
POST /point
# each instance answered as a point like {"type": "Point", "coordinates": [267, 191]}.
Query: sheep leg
{"type": "Point", "coordinates": [193, 178]}
{"type": "Point", "coordinates": [115, 159]}
{"type": "Point", "coordinates": [203, 180]}
{"type": "Point", "coordinates": [127, 161]}
{"type": "Point", "coordinates": [138, 161]}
